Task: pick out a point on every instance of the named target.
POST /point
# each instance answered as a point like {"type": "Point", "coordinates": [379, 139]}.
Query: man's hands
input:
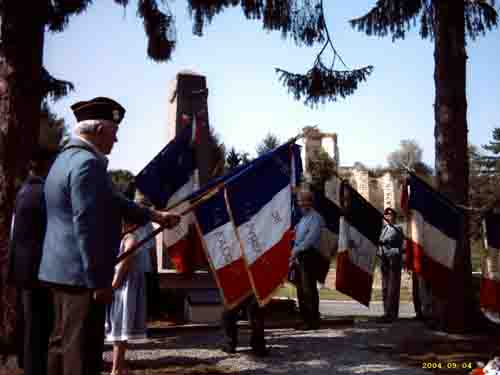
{"type": "Point", "coordinates": [165, 218]}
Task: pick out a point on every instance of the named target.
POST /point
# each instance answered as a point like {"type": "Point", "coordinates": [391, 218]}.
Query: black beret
{"type": "Point", "coordinates": [98, 109]}
{"type": "Point", "coordinates": [389, 210]}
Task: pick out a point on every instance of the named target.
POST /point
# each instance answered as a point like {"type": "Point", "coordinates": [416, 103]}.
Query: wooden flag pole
{"type": "Point", "coordinates": [191, 207]}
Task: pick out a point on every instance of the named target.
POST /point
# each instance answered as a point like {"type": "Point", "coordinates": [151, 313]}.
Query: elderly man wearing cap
{"type": "Point", "coordinates": [391, 262]}
{"type": "Point", "coordinates": [84, 214]}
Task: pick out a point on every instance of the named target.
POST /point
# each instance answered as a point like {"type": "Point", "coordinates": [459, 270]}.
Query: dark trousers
{"type": "Point", "coordinates": [307, 290]}
{"type": "Point", "coordinates": [38, 322]}
{"type": "Point", "coordinates": [19, 337]}
{"type": "Point", "coordinates": [77, 342]}
{"type": "Point", "coordinates": [417, 303]}
{"type": "Point", "coordinates": [390, 268]}
{"type": "Point", "coordinates": [255, 316]}
{"type": "Point", "coordinates": [422, 297]}
{"type": "Point", "coordinates": [152, 295]}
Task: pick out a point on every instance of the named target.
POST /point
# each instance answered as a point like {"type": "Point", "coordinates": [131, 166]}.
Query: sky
{"type": "Point", "coordinates": [103, 53]}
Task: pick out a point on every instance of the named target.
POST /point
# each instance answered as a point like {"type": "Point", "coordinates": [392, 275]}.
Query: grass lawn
{"type": "Point", "coordinates": [288, 291]}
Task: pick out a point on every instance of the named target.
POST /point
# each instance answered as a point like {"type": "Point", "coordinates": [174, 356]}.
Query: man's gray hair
{"type": "Point", "coordinates": [90, 126]}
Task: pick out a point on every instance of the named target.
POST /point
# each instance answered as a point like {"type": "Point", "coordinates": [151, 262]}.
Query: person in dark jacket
{"type": "Point", "coordinates": [25, 252]}
{"type": "Point", "coordinates": [391, 263]}
{"type": "Point", "coordinates": [255, 316]}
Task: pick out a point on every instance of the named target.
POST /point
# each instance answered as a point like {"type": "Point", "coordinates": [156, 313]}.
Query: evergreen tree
{"type": "Point", "coordinates": [408, 155]}
{"type": "Point", "coordinates": [23, 84]}
{"type": "Point", "coordinates": [245, 157]}
{"type": "Point", "coordinates": [447, 23]}
{"type": "Point", "coordinates": [233, 159]}
{"type": "Point", "coordinates": [269, 143]}
{"type": "Point", "coordinates": [321, 168]}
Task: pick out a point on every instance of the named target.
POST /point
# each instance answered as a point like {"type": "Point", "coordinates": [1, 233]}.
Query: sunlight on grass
{"type": "Point", "coordinates": [289, 291]}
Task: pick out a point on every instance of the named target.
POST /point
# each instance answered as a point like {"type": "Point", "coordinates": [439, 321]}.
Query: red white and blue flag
{"type": "Point", "coordinates": [490, 281]}
{"type": "Point", "coordinates": [260, 200]}
{"type": "Point", "coordinates": [435, 227]}
{"type": "Point", "coordinates": [359, 232]}
{"type": "Point", "coordinates": [168, 180]}
{"type": "Point", "coordinates": [223, 249]}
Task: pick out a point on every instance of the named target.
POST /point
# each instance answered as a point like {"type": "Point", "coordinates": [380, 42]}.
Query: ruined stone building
{"type": "Point", "coordinates": [381, 188]}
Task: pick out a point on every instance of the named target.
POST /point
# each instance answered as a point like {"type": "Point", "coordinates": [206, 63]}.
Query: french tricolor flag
{"type": "Point", "coordinates": [260, 199]}
{"type": "Point", "coordinates": [167, 180]}
{"type": "Point", "coordinates": [490, 281]}
{"type": "Point", "coordinates": [359, 231]}
{"type": "Point", "coordinates": [223, 249]}
{"type": "Point", "coordinates": [435, 226]}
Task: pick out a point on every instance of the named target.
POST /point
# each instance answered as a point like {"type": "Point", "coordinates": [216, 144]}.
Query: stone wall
{"type": "Point", "coordinates": [381, 191]}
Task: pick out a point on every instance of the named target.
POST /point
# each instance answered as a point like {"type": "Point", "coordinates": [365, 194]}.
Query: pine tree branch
{"type": "Point", "coordinates": [59, 12]}
{"type": "Point", "coordinates": [160, 30]}
{"type": "Point", "coordinates": [480, 16]}
{"type": "Point", "coordinates": [393, 17]}
{"type": "Point", "coordinates": [321, 84]}
{"type": "Point", "coordinates": [300, 20]}
{"type": "Point", "coordinates": [54, 88]}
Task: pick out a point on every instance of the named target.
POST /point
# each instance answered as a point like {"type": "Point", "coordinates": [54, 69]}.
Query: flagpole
{"type": "Point", "coordinates": [208, 194]}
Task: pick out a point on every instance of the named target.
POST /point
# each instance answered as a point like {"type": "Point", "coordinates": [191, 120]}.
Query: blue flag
{"type": "Point", "coordinates": [169, 172]}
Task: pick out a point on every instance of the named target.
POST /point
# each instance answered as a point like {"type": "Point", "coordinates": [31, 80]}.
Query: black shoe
{"type": "Point", "coordinates": [229, 349]}
{"type": "Point", "coordinates": [302, 327]}
{"type": "Point", "coordinates": [315, 325]}
{"type": "Point", "coordinates": [307, 326]}
{"type": "Point", "coordinates": [260, 351]}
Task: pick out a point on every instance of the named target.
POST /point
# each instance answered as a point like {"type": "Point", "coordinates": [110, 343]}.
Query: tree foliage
{"type": "Point", "coordinates": [303, 21]}
{"type": "Point", "coordinates": [484, 178]}
{"type": "Point", "coordinates": [321, 167]}
{"type": "Point", "coordinates": [233, 159]}
{"type": "Point", "coordinates": [159, 24]}
{"type": "Point", "coordinates": [397, 17]}
{"type": "Point", "coordinates": [270, 142]}
{"type": "Point", "coordinates": [408, 155]}
{"type": "Point", "coordinates": [52, 129]}
{"type": "Point", "coordinates": [124, 181]}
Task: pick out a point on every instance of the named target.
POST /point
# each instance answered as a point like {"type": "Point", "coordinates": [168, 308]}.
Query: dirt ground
{"type": "Point", "coordinates": [341, 346]}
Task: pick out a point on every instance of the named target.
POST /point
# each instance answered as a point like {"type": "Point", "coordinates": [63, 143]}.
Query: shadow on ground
{"type": "Point", "coordinates": [404, 347]}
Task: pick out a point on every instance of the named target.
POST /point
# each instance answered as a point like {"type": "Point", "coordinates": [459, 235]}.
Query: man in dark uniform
{"type": "Point", "coordinates": [84, 221]}
{"type": "Point", "coordinates": [391, 262]}
{"type": "Point", "coordinates": [25, 253]}
{"type": "Point", "coordinates": [255, 316]}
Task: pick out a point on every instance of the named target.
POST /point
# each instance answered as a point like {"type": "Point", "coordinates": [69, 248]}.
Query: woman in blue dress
{"type": "Point", "coordinates": [126, 315]}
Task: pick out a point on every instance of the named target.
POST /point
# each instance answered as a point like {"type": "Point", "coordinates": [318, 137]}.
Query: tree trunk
{"type": "Point", "coordinates": [21, 52]}
{"type": "Point", "coordinates": [450, 133]}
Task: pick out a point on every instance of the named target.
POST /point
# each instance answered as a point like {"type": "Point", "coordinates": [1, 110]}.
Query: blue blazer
{"type": "Point", "coordinates": [84, 215]}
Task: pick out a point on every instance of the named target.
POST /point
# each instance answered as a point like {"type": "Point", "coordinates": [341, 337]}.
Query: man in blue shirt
{"type": "Point", "coordinates": [307, 258]}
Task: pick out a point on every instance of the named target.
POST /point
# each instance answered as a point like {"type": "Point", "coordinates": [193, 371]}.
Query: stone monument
{"type": "Point", "coordinates": [187, 99]}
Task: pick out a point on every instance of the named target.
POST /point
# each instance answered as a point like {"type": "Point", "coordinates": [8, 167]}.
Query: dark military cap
{"type": "Point", "coordinates": [98, 109]}
{"type": "Point", "coordinates": [389, 210]}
